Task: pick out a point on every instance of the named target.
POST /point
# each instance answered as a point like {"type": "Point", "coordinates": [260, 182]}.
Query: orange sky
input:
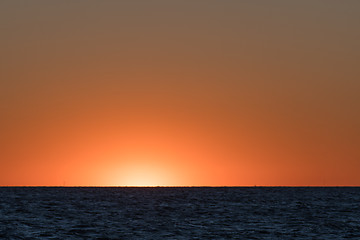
{"type": "Point", "coordinates": [179, 93]}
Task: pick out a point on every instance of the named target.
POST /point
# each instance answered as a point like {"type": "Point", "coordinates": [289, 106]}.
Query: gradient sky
{"type": "Point", "coordinates": [235, 93]}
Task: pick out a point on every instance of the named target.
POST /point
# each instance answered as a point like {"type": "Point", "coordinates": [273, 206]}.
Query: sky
{"type": "Point", "coordinates": [179, 93]}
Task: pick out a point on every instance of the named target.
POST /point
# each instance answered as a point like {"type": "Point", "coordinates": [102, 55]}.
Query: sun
{"type": "Point", "coordinates": [146, 174]}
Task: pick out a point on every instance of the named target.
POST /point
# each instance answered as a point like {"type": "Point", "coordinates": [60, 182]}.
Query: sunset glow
{"type": "Point", "coordinates": [145, 175]}
{"type": "Point", "coordinates": [179, 93]}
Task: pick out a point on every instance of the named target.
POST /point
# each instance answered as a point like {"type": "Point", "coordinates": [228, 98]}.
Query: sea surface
{"type": "Point", "coordinates": [179, 213]}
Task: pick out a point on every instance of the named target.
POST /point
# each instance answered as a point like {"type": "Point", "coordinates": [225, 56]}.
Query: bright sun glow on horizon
{"type": "Point", "coordinates": [146, 174]}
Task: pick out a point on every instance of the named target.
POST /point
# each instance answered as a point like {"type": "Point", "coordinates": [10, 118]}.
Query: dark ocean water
{"type": "Point", "coordinates": [179, 213]}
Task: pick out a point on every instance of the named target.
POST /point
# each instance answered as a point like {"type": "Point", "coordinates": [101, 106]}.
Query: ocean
{"type": "Point", "coordinates": [179, 213]}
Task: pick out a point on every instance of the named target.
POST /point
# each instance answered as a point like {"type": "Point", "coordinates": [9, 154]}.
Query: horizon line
{"type": "Point", "coordinates": [179, 186]}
